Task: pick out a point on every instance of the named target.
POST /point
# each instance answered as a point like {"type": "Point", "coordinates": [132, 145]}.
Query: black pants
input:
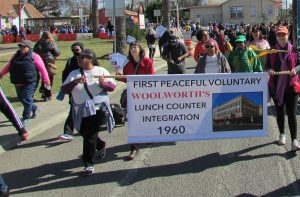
{"type": "Point", "coordinates": [89, 130]}
{"type": "Point", "coordinates": [290, 103]}
{"type": "Point", "coordinates": [69, 126]}
{"type": "Point", "coordinates": [151, 53]}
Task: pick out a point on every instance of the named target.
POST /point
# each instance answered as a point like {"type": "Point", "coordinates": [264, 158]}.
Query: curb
{"type": "Point", "coordinates": [49, 116]}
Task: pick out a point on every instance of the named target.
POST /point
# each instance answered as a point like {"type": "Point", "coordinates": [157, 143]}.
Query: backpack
{"type": "Point", "coordinates": [118, 113]}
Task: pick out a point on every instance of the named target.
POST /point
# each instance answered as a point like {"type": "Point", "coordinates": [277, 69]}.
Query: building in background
{"type": "Point", "coordinates": [9, 13]}
{"type": "Point", "coordinates": [236, 11]}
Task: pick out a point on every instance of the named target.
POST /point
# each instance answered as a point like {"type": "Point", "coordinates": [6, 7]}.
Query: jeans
{"type": "Point", "coordinates": [25, 95]}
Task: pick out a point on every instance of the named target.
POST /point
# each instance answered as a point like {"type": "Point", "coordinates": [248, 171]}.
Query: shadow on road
{"type": "Point", "coordinates": [62, 175]}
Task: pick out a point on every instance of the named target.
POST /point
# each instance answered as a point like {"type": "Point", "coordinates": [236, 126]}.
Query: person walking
{"type": "Point", "coordinates": [175, 53]}
{"type": "Point", "coordinates": [202, 37]}
{"type": "Point", "coordinates": [243, 59]}
{"type": "Point", "coordinates": [281, 86]}
{"type": "Point", "coordinates": [72, 64]}
{"type": "Point", "coordinates": [213, 60]}
{"type": "Point", "coordinates": [24, 68]}
{"type": "Point", "coordinates": [91, 107]}
{"type": "Point", "coordinates": [7, 109]}
{"type": "Point", "coordinates": [49, 51]}
{"type": "Point", "coordinates": [150, 38]}
{"type": "Point", "coordinates": [138, 64]}
{"type": "Point", "coordinates": [257, 40]}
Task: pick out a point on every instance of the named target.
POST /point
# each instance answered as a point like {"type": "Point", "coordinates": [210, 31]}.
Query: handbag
{"type": "Point", "coordinates": [296, 86]}
{"type": "Point", "coordinates": [123, 98]}
{"type": "Point", "coordinates": [51, 68]}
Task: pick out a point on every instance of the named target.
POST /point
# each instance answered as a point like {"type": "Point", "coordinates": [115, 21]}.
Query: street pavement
{"type": "Point", "coordinates": [45, 166]}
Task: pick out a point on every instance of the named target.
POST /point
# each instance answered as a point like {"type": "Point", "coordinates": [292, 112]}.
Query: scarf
{"type": "Point", "coordinates": [282, 79]}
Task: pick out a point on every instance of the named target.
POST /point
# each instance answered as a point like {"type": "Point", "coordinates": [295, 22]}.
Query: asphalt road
{"type": "Point", "coordinates": [232, 167]}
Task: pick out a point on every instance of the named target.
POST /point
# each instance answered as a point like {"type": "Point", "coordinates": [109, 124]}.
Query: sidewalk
{"type": "Point", "coordinates": [52, 113]}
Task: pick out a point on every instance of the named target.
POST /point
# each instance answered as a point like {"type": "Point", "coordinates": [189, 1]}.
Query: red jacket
{"type": "Point", "coordinates": [146, 68]}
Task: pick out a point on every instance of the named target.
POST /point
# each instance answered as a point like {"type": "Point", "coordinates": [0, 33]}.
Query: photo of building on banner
{"type": "Point", "coordinates": [168, 108]}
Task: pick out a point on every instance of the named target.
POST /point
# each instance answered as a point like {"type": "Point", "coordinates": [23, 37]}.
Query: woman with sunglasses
{"type": "Point", "coordinates": [213, 61]}
{"type": "Point", "coordinates": [72, 64]}
{"type": "Point", "coordinates": [90, 102]}
{"type": "Point", "coordinates": [281, 86]}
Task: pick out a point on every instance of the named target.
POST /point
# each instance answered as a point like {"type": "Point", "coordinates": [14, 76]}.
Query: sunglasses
{"type": "Point", "coordinates": [281, 34]}
{"type": "Point", "coordinates": [207, 46]}
{"type": "Point", "coordinates": [75, 50]}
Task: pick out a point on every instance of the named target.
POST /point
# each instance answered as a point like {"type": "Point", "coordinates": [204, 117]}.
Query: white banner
{"type": "Point", "coordinates": [84, 36]}
{"type": "Point", "coordinates": [166, 108]}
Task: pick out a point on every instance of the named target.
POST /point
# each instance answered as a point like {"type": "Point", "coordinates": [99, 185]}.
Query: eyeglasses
{"type": "Point", "coordinates": [207, 46]}
{"type": "Point", "coordinates": [75, 50]}
{"type": "Point", "coordinates": [281, 34]}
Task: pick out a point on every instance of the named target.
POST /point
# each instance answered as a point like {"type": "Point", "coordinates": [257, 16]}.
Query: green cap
{"type": "Point", "coordinates": [240, 38]}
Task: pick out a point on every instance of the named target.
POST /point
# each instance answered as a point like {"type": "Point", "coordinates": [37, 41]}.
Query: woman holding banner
{"type": "Point", "coordinates": [213, 61]}
{"type": "Point", "coordinates": [90, 105]}
{"type": "Point", "coordinates": [283, 68]}
{"type": "Point", "coordinates": [138, 65]}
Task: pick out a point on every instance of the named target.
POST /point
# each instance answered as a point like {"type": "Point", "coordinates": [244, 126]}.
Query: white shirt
{"type": "Point", "coordinates": [79, 93]}
{"type": "Point", "coordinates": [212, 64]}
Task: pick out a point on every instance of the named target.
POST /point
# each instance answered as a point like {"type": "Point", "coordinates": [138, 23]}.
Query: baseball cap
{"type": "Point", "coordinates": [26, 43]}
{"type": "Point", "coordinates": [282, 29]}
{"type": "Point", "coordinates": [88, 53]}
{"type": "Point", "coordinates": [240, 38]}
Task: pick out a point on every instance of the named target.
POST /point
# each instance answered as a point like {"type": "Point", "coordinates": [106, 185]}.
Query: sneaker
{"type": "Point", "coordinates": [295, 145]}
{"type": "Point", "coordinates": [88, 170]}
{"type": "Point", "coordinates": [282, 139]}
{"type": "Point", "coordinates": [102, 152]}
{"type": "Point", "coordinates": [35, 112]}
{"type": "Point", "coordinates": [25, 121]}
{"type": "Point", "coordinates": [66, 137]}
{"type": "Point", "coordinates": [133, 153]}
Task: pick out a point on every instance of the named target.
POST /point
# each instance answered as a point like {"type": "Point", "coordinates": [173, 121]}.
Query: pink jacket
{"type": "Point", "coordinates": [39, 65]}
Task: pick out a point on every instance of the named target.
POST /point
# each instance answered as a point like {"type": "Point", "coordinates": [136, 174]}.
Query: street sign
{"type": "Point", "coordinates": [142, 21]}
{"type": "Point", "coordinates": [156, 12]}
{"type": "Point", "coordinates": [119, 8]}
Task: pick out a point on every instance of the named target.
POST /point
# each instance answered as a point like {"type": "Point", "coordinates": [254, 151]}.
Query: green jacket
{"type": "Point", "coordinates": [244, 61]}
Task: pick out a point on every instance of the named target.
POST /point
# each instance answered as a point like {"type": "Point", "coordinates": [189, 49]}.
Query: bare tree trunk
{"type": "Point", "coordinates": [120, 35]}
{"type": "Point", "coordinates": [94, 18]}
{"type": "Point", "coordinates": [132, 5]}
{"type": "Point", "coordinates": [166, 13]}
